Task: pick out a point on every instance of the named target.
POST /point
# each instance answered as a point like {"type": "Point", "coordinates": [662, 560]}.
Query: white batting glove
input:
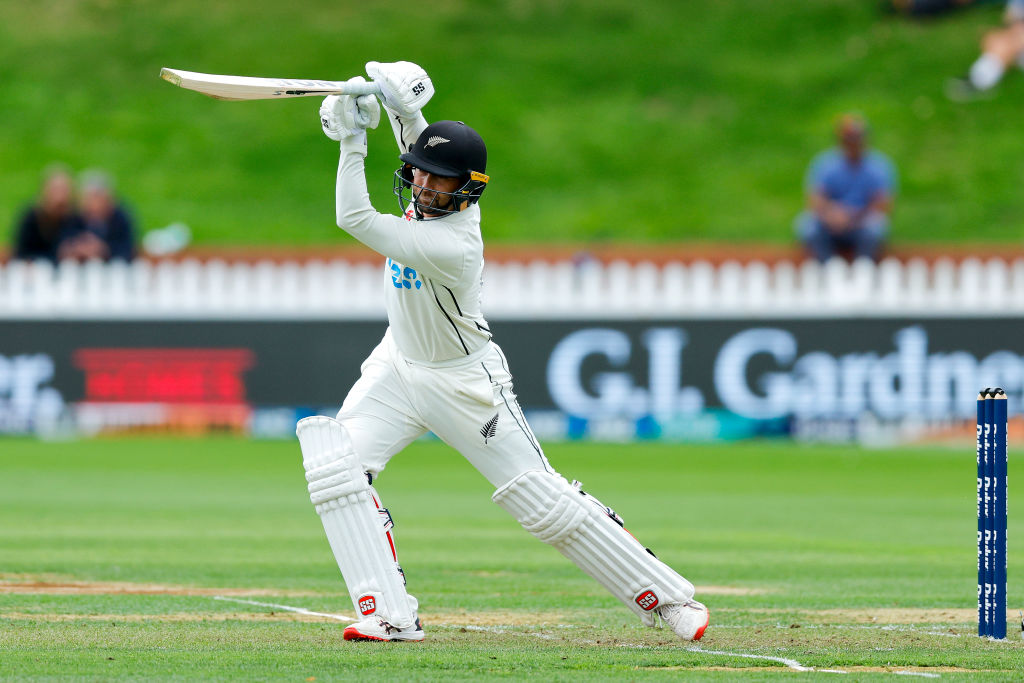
{"type": "Point", "coordinates": [345, 116]}
{"type": "Point", "coordinates": [404, 86]}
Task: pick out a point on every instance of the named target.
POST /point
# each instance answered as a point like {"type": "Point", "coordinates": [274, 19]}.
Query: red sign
{"type": "Point", "coordinates": [194, 376]}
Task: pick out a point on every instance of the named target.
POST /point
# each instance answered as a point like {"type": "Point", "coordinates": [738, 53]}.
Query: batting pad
{"type": "Point", "coordinates": [355, 528]}
{"type": "Point", "coordinates": [578, 525]}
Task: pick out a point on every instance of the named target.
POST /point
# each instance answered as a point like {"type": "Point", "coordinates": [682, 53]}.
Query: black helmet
{"type": "Point", "coordinates": [445, 148]}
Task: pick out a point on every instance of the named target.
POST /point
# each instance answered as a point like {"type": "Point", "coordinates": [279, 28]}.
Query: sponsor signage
{"type": "Point", "coordinates": [28, 401]}
{"type": "Point", "coordinates": [185, 389]}
{"type": "Point", "coordinates": [163, 375]}
{"type": "Point", "coordinates": [595, 379]}
{"type": "Point", "coordinates": [803, 369]}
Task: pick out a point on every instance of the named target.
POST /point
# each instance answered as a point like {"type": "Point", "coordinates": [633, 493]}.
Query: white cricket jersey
{"type": "Point", "coordinates": [433, 270]}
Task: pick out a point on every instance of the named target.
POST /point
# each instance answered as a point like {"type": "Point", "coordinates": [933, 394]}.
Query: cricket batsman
{"type": "Point", "coordinates": [437, 369]}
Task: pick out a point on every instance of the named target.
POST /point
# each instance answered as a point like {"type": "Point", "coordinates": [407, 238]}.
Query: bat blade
{"type": "Point", "coordinates": [224, 87]}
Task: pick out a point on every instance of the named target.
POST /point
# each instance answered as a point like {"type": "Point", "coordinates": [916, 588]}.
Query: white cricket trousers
{"type": "Point", "coordinates": [467, 402]}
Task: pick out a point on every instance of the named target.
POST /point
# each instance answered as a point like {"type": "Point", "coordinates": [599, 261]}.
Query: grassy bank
{"type": "Point", "coordinates": [606, 120]}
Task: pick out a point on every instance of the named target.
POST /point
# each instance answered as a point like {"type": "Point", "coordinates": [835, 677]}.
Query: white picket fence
{"type": "Point", "coordinates": [338, 289]}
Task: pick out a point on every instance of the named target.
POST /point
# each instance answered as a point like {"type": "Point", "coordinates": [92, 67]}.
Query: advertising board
{"type": "Point", "coordinates": [685, 379]}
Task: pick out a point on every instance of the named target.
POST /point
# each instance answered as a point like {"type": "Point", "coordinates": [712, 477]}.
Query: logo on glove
{"type": "Point", "coordinates": [367, 605]}
{"type": "Point", "coordinates": [418, 88]}
{"type": "Point", "coordinates": [647, 600]}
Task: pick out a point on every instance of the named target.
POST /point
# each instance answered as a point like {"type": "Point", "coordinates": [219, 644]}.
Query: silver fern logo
{"type": "Point", "coordinates": [435, 140]}
{"type": "Point", "coordinates": [490, 428]}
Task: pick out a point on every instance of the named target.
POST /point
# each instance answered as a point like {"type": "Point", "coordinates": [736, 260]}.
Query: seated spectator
{"type": "Point", "coordinates": [923, 8]}
{"type": "Point", "coordinates": [1001, 48]}
{"type": "Point", "coordinates": [850, 191]}
{"type": "Point", "coordinates": [44, 226]}
{"type": "Point", "coordinates": [108, 231]}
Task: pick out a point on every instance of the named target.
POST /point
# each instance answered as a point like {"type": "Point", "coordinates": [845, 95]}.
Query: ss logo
{"type": "Point", "coordinates": [367, 605]}
{"type": "Point", "coordinates": [647, 600]}
{"type": "Point", "coordinates": [418, 88]}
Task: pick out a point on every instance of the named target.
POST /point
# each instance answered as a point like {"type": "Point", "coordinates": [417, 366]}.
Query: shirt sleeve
{"type": "Point", "coordinates": [814, 181]}
{"type": "Point", "coordinates": [406, 128]}
{"type": "Point", "coordinates": [23, 236]}
{"type": "Point", "coordinates": [433, 247]}
{"type": "Point", "coordinates": [884, 171]}
{"type": "Point", "coordinates": [121, 240]}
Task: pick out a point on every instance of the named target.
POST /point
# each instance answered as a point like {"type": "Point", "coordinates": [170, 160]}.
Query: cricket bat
{"type": "Point", "coordinates": [223, 87]}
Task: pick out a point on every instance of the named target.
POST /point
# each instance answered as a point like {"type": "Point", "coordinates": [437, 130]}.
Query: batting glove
{"type": "Point", "coordinates": [345, 116]}
{"type": "Point", "coordinates": [404, 86]}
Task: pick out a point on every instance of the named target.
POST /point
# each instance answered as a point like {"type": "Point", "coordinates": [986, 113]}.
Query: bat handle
{"type": "Point", "coordinates": [369, 88]}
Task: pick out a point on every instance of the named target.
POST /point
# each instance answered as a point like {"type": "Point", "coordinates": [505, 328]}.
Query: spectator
{"type": "Point", "coordinates": [52, 220]}
{"type": "Point", "coordinates": [923, 8]}
{"type": "Point", "coordinates": [1001, 48]}
{"type": "Point", "coordinates": [850, 190]}
{"type": "Point", "coordinates": [108, 232]}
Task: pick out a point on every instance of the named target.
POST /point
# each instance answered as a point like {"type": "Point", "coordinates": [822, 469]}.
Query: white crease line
{"type": "Point", "coordinates": [797, 666]}
{"type": "Point", "coordinates": [791, 663]}
{"type": "Point", "coordinates": [922, 630]}
{"type": "Point", "coordinates": [880, 627]}
{"type": "Point", "coordinates": [287, 608]}
{"type": "Point", "coordinates": [916, 673]}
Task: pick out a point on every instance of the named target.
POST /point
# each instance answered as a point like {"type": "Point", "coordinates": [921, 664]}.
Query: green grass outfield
{"type": "Point", "coordinates": [605, 120]}
{"type": "Point", "coordinates": [112, 553]}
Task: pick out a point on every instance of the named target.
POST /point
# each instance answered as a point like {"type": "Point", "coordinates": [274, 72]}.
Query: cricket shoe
{"type": "Point", "coordinates": [375, 628]}
{"type": "Point", "coordinates": [688, 620]}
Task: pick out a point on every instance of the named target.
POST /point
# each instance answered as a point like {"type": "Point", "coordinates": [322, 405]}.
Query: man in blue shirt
{"type": "Point", "coordinates": [850, 190]}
